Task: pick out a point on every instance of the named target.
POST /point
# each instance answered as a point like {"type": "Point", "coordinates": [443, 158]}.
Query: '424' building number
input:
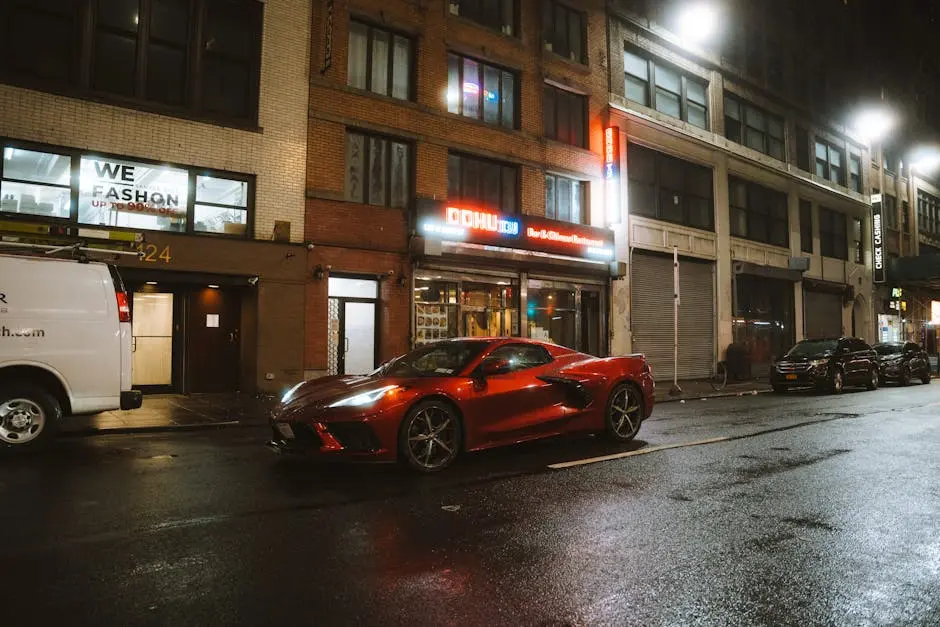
{"type": "Point", "coordinates": [150, 253]}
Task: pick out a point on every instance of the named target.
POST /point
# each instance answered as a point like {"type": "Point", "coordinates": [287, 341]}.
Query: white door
{"type": "Point", "coordinates": [153, 339]}
{"type": "Point", "coordinates": [359, 340]}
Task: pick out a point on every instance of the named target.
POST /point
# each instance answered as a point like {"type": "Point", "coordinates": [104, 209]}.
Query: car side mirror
{"type": "Point", "coordinates": [493, 367]}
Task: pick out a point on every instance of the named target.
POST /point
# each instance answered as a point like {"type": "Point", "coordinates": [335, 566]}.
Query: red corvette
{"type": "Point", "coordinates": [426, 407]}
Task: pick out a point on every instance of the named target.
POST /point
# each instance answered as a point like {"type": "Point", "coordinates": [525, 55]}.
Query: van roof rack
{"type": "Point", "coordinates": [73, 242]}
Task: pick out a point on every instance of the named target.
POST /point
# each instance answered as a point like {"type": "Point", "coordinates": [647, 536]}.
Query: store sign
{"type": "Point", "coordinates": [476, 226]}
{"type": "Point", "coordinates": [935, 312]}
{"type": "Point", "coordinates": [110, 186]}
{"type": "Point", "coordinates": [612, 173]}
{"type": "Point", "coordinates": [877, 237]}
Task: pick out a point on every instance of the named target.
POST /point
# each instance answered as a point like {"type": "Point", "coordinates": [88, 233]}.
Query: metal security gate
{"type": "Point", "coordinates": [822, 314]}
{"type": "Point", "coordinates": [651, 307]}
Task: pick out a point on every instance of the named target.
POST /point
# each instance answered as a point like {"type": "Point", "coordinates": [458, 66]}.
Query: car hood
{"type": "Point", "coordinates": [802, 359]}
{"type": "Point", "coordinates": [326, 390]}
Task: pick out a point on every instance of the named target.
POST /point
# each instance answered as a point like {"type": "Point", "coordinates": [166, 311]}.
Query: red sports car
{"type": "Point", "coordinates": [426, 407]}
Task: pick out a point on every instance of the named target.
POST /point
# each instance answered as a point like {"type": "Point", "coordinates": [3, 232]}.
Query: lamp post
{"type": "Point", "coordinates": [697, 23]}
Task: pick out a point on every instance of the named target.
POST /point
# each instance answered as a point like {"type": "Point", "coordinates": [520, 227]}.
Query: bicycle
{"type": "Point", "coordinates": [719, 378]}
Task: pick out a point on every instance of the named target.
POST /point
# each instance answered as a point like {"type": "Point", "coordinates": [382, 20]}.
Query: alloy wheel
{"type": "Point", "coordinates": [433, 438]}
{"type": "Point", "coordinates": [837, 381]}
{"type": "Point", "coordinates": [624, 412]}
{"type": "Point", "coordinates": [21, 421]}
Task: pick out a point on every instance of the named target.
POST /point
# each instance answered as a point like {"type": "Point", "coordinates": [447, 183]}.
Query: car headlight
{"type": "Point", "coordinates": [815, 363]}
{"type": "Point", "coordinates": [289, 394]}
{"type": "Point", "coordinates": [366, 398]}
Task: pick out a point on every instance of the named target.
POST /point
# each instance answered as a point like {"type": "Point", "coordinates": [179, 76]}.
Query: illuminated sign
{"type": "Point", "coordinates": [612, 173]}
{"type": "Point", "coordinates": [877, 239]}
{"type": "Point", "coordinates": [436, 220]}
{"type": "Point", "coordinates": [935, 312]}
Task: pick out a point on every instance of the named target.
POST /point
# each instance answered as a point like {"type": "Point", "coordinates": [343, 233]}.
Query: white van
{"type": "Point", "coordinates": [65, 345]}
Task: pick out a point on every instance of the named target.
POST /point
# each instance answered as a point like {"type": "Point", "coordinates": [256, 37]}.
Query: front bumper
{"type": "Point", "coordinates": [347, 439]}
{"type": "Point", "coordinates": [814, 377]}
{"type": "Point", "coordinates": [132, 399]}
{"type": "Point", "coordinates": [890, 370]}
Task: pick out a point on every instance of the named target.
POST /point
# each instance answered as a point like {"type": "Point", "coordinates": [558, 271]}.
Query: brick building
{"type": "Point", "coordinates": [454, 180]}
{"type": "Point", "coordinates": [178, 126]}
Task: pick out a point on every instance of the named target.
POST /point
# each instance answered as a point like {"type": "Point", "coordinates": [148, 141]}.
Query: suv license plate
{"type": "Point", "coordinates": [285, 430]}
{"type": "Point", "coordinates": [791, 377]}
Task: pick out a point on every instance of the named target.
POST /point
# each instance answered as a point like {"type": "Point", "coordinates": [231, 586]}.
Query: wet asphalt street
{"type": "Point", "coordinates": [815, 510]}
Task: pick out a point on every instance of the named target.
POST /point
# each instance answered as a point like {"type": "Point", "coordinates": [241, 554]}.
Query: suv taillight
{"type": "Point", "coordinates": [124, 309]}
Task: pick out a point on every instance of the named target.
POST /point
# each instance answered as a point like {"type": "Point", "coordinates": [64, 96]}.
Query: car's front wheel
{"type": "Point", "coordinates": [430, 436]}
{"type": "Point", "coordinates": [836, 381]}
{"type": "Point", "coordinates": [925, 378]}
{"type": "Point", "coordinates": [29, 416]}
{"type": "Point", "coordinates": [624, 412]}
{"type": "Point", "coordinates": [905, 378]}
{"type": "Point", "coordinates": [873, 379]}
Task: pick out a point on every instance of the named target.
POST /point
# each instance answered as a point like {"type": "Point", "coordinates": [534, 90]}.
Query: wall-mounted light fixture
{"type": "Point", "coordinates": [319, 273]}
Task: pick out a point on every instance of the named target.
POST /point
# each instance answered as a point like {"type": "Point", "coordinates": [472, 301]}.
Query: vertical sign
{"type": "Point", "coordinates": [612, 173]}
{"type": "Point", "coordinates": [877, 240]}
{"type": "Point", "coordinates": [328, 50]}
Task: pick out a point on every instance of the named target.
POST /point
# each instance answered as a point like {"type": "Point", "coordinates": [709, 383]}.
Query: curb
{"type": "Point", "coordinates": [713, 395]}
{"type": "Point", "coordinates": [210, 426]}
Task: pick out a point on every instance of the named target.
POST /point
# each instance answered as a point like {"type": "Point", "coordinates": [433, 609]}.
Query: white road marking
{"type": "Point", "coordinates": [642, 451]}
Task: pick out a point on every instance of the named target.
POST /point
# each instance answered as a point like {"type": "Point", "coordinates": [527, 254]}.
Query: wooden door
{"type": "Point", "coordinates": [213, 346]}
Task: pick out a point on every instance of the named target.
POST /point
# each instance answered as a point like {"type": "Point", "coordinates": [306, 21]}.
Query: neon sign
{"type": "Point", "coordinates": [437, 220]}
{"type": "Point", "coordinates": [612, 173]}
{"type": "Point", "coordinates": [877, 237]}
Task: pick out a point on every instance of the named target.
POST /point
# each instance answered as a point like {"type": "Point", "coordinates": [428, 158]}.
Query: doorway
{"type": "Point", "coordinates": [351, 339]}
{"type": "Point", "coordinates": [152, 340]}
{"type": "Point", "coordinates": [213, 342]}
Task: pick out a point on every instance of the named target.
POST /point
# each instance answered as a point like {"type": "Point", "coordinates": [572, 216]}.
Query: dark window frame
{"type": "Point", "coordinates": [651, 86]}
{"type": "Point", "coordinates": [928, 214]}
{"type": "Point", "coordinates": [889, 209]}
{"type": "Point", "coordinates": [474, 10]}
{"type": "Point", "coordinates": [660, 160]}
{"type": "Point", "coordinates": [833, 242]}
{"type": "Point", "coordinates": [552, 213]}
{"type": "Point", "coordinates": [482, 65]}
{"type": "Point", "coordinates": [806, 226]}
{"type": "Point", "coordinates": [855, 179]}
{"type": "Point", "coordinates": [551, 37]}
{"type": "Point", "coordinates": [79, 82]}
{"type": "Point", "coordinates": [554, 93]}
{"type": "Point", "coordinates": [745, 108]}
{"type": "Point", "coordinates": [390, 70]}
{"type": "Point", "coordinates": [468, 157]}
{"type": "Point", "coordinates": [758, 210]}
{"type": "Point", "coordinates": [368, 138]}
{"type": "Point", "coordinates": [546, 357]}
{"type": "Point", "coordinates": [193, 172]}
{"type": "Point", "coordinates": [827, 165]}
{"type": "Point", "coordinates": [858, 239]}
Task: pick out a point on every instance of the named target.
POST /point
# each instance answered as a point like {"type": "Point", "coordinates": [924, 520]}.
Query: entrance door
{"type": "Point", "coordinates": [351, 337]}
{"type": "Point", "coordinates": [213, 344]}
{"type": "Point", "coordinates": [358, 329]}
{"type": "Point", "coordinates": [152, 329]}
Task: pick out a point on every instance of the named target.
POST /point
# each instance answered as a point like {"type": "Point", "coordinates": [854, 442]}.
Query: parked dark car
{"type": "Point", "coordinates": [828, 364]}
{"type": "Point", "coordinates": [902, 362]}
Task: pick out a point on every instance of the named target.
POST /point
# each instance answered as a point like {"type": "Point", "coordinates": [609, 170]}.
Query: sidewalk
{"type": "Point", "coordinates": [174, 412]}
{"type": "Point", "coordinates": [702, 389]}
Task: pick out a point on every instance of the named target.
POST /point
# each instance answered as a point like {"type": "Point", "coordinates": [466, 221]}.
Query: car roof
{"type": "Point", "coordinates": [554, 349]}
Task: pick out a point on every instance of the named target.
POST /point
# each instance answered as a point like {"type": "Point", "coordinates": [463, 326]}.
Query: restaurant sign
{"type": "Point", "coordinates": [482, 226]}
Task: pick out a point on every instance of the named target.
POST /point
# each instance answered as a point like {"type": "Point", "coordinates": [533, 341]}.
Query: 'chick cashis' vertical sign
{"type": "Point", "coordinates": [878, 240]}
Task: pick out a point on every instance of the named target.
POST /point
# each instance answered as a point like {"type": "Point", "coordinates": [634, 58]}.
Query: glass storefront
{"type": "Point", "coordinates": [451, 304]}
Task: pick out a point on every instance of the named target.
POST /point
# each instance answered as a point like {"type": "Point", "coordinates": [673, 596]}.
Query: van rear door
{"type": "Point", "coordinates": [130, 399]}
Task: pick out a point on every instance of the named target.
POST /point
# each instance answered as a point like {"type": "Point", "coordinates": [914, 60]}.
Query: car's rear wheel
{"type": "Point", "coordinates": [29, 416]}
{"type": "Point", "coordinates": [925, 378]}
{"type": "Point", "coordinates": [874, 379]}
{"type": "Point", "coordinates": [624, 412]}
{"type": "Point", "coordinates": [836, 381]}
{"type": "Point", "coordinates": [905, 378]}
{"type": "Point", "coordinates": [430, 436]}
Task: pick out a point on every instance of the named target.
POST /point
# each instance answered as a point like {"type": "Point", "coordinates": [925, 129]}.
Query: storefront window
{"type": "Point", "coordinates": [763, 319]}
{"type": "Point", "coordinates": [35, 183]}
{"type": "Point", "coordinates": [221, 206]}
{"type": "Point", "coordinates": [552, 314]}
{"type": "Point", "coordinates": [490, 310]}
{"type": "Point", "coordinates": [435, 310]}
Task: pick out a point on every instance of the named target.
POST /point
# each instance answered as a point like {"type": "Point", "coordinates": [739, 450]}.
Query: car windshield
{"type": "Point", "coordinates": [809, 348]}
{"type": "Point", "coordinates": [888, 349]}
{"type": "Point", "coordinates": [443, 359]}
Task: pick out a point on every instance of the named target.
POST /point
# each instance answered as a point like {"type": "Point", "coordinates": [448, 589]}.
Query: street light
{"type": "Point", "coordinates": [697, 22]}
{"type": "Point", "coordinates": [873, 125]}
{"type": "Point", "coordinates": [925, 159]}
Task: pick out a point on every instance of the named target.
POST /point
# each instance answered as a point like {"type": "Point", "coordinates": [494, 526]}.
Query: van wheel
{"type": "Point", "coordinates": [29, 416]}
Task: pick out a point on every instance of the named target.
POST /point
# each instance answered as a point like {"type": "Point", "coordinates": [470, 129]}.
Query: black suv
{"type": "Point", "coordinates": [902, 362]}
{"type": "Point", "coordinates": [828, 364]}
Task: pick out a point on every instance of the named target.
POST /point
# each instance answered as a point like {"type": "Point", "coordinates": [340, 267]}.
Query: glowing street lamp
{"type": "Point", "coordinates": [873, 125]}
{"type": "Point", "coordinates": [925, 160]}
{"type": "Point", "coordinates": [697, 23]}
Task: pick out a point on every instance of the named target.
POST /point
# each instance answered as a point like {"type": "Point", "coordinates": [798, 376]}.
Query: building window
{"type": "Point", "coordinates": [806, 226]}
{"type": "Point", "coordinates": [928, 214]}
{"type": "Point", "coordinates": [669, 189]}
{"type": "Point", "coordinates": [197, 57]}
{"type": "Point", "coordinates": [378, 170]}
{"type": "Point", "coordinates": [832, 236]}
{"type": "Point", "coordinates": [889, 159]}
{"type": "Point", "coordinates": [563, 31]}
{"type": "Point", "coordinates": [753, 127]}
{"type": "Point", "coordinates": [483, 183]}
{"type": "Point", "coordinates": [802, 149]}
{"type": "Point", "coordinates": [758, 213]}
{"type": "Point", "coordinates": [857, 249]}
{"type": "Point", "coordinates": [665, 89]}
{"type": "Point", "coordinates": [118, 192]}
{"type": "Point", "coordinates": [830, 162]}
{"type": "Point", "coordinates": [564, 115]}
{"type": "Point", "coordinates": [496, 14]}
{"type": "Point", "coordinates": [482, 91]}
{"type": "Point", "coordinates": [379, 61]}
{"type": "Point", "coordinates": [855, 172]}
{"type": "Point", "coordinates": [890, 212]}
{"type": "Point", "coordinates": [905, 217]}
{"type": "Point", "coordinates": [564, 199]}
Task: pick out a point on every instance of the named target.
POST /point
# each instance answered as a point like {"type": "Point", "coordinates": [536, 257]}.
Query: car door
{"type": "Point", "coordinates": [916, 358]}
{"type": "Point", "coordinates": [856, 364]}
{"type": "Point", "coordinates": [515, 405]}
